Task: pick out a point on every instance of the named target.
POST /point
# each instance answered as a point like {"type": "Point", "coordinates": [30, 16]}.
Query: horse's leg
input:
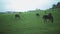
{"type": "Point", "coordinates": [52, 20]}
{"type": "Point", "coordinates": [48, 20]}
{"type": "Point", "coordinates": [19, 17]}
{"type": "Point", "coordinates": [45, 20]}
{"type": "Point", "coordinates": [16, 17]}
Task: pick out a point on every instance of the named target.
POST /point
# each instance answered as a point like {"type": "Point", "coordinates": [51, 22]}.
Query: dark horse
{"type": "Point", "coordinates": [37, 14]}
{"type": "Point", "coordinates": [17, 16]}
{"type": "Point", "coordinates": [48, 17]}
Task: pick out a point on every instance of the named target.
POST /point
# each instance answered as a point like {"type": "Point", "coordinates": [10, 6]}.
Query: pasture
{"type": "Point", "coordinates": [29, 23]}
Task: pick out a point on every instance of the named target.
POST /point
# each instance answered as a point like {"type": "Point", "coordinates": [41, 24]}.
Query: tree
{"type": "Point", "coordinates": [54, 6]}
{"type": "Point", "coordinates": [58, 5]}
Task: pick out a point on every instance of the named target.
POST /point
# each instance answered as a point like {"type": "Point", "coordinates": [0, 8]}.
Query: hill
{"type": "Point", "coordinates": [29, 23]}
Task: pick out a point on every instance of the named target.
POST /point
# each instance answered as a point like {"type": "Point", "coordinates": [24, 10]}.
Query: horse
{"type": "Point", "coordinates": [48, 17]}
{"type": "Point", "coordinates": [37, 14]}
{"type": "Point", "coordinates": [17, 16]}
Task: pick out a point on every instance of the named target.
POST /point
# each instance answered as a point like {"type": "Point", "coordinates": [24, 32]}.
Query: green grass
{"type": "Point", "coordinates": [29, 23]}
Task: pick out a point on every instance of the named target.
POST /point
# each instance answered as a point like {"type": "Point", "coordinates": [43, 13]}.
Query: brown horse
{"type": "Point", "coordinates": [48, 17]}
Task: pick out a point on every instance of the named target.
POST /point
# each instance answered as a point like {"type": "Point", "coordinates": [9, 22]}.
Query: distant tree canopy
{"type": "Point", "coordinates": [56, 6]}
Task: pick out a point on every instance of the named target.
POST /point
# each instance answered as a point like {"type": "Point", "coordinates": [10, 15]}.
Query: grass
{"type": "Point", "coordinates": [29, 23]}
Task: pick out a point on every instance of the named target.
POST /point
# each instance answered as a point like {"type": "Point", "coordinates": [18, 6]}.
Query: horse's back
{"type": "Point", "coordinates": [45, 16]}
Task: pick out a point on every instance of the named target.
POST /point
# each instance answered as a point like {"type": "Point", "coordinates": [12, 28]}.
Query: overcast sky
{"type": "Point", "coordinates": [24, 5]}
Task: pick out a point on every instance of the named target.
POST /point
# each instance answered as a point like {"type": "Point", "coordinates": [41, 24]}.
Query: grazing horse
{"type": "Point", "coordinates": [48, 17]}
{"type": "Point", "coordinates": [17, 16]}
{"type": "Point", "coordinates": [37, 14]}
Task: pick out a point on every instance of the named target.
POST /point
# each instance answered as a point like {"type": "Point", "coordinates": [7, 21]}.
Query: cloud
{"type": "Point", "coordinates": [23, 5]}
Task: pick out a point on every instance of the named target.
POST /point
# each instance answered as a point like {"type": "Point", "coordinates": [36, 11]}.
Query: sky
{"type": "Point", "coordinates": [25, 5]}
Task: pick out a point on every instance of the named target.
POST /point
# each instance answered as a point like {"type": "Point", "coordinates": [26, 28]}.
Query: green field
{"type": "Point", "coordinates": [29, 23]}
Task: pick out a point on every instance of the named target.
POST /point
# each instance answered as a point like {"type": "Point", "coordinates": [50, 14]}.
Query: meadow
{"type": "Point", "coordinates": [29, 23]}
